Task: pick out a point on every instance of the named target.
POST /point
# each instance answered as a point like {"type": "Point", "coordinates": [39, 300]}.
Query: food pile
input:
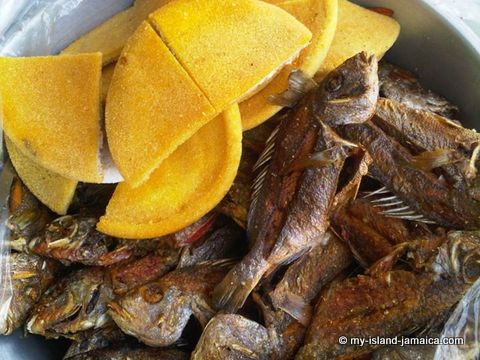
{"type": "Point", "coordinates": [285, 187]}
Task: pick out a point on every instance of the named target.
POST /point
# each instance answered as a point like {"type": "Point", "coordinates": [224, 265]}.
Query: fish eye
{"type": "Point", "coordinates": [335, 83]}
{"type": "Point", "coordinates": [471, 268]}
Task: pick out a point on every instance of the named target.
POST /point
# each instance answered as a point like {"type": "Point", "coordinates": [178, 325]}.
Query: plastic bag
{"type": "Point", "coordinates": [463, 323]}
{"type": "Point", "coordinates": [44, 27]}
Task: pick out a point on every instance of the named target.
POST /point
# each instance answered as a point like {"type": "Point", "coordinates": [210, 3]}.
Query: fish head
{"type": "Point", "coordinates": [75, 304]}
{"type": "Point", "coordinates": [165, 313]}
{"type": "Point", "coordinates": [459, 256]}
{"type": "Point", "coordinates": [349, 94]}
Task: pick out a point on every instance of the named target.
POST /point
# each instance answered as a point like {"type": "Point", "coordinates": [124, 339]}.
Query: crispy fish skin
{"type": "Point", "coordinates": [76, 303]}
{"type": "Point", "coordinates": [30, 277]}
{"type": "Point", "coordinates": [402, 86]}
{"type": "Point", "coordinates": [288, 308]}
{"type": "Point", "coordinates": [394, 302]}
{"type": "Point", "coordinates": [167, 304]}
{"type": "Point", "coordinates": [233, 337]}
{"type": "Point", "coordinates": [422, 190]}
{"type": "Point", "coordinates": [291, 212]}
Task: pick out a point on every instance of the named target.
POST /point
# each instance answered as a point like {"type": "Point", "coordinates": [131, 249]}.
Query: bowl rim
{"type": "Point", "coordinates": [456, 25]}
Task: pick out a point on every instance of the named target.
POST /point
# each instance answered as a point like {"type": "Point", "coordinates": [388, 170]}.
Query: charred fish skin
{"type": "Point", "coordinates": [233, 337]}
{"type": "Point", "coordinates": [402, 86]}
{"type": "Point", "coordinates": [168, 303]}
{"type": "Point", "coordinates": [30, 277]}
{"type": "Point", "coordinates": [77, 303]}
{"type": "Point", "coordinates": [422, 190]}
{"type": "Point", "coordinates": [290, 212]}
{"type": "Point", "coordinates": [395, 302]}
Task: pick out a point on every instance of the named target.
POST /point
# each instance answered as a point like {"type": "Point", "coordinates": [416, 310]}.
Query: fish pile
{"type": "Point", "coordinates": [355, 212]}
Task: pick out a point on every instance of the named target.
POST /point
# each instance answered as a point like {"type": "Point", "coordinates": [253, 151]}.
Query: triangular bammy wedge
{"type": "Point", "coordinates": [187, 185]}
{"type": "Point", "coordinates": [110, 36]}
{"type": "Point", "coordinates": [231, 48]}
{"type": "Point", "coordinates": [320, 16]}
{"type": "Point", "coordinates": [51, 111]}
{"type": "Point", "coordinates": [359, 29]}
{"type": "Point", "coordinates": [152, 107]}
{"type": "Point", "coordinates": [55, 191]}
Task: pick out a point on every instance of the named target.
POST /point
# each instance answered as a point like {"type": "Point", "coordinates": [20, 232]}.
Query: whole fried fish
{"type": "Point", "coordinates": [30, 276]}
{"type": "Point", "coordinates": [420, 189]}
{"type": "Point", "coordinates": [233, 337]}
{"type": "Point", "coordinates": [289, 213]}
{"type": "Point", "coordinates": [287, 309]}
{"type": "Point", "coordinates": [402, 86]}
{"type": "Point", "coordinates": [167, 304]}
{"type": "Point", "coordinates": [396, 302]}
{"type": "Point", "coordinates": [76, 303]}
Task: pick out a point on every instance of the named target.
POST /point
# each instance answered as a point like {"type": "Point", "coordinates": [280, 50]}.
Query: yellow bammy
{"type": "Point", "coordinates": [230, 47]}
{"type": "Point", "coordinates": [359, 29]}
{"type": "Point", "coordinates": [187, 185]}
{"type": "Point", "coordinates": [110, 37]}
{"type": "Point", "coordinates": [152, 106]}
{"type": "Point", "coordinates": [51, 111]}
{"type": "Point", "coordinates": [320, 16]}
{"type": "Point", "coordinates": [55, 191]}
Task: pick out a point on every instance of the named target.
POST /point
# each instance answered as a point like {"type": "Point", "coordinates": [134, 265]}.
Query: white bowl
{"type": "Point", "coordinates": [437, 47]}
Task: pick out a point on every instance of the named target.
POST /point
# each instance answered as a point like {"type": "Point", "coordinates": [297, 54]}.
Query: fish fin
{"type": "Point", "coordinates": [315, 160]}
{"type": "Point", "coordinates": [429, 160]}
{"type": "Point", "coordinates": [296, 307]}
{"type": "Point", "coordinates": [262, 165]}
{"type": "Point", "coordinates": [299, 84]}
{"type": "Point", "coordinates": [230, 294]}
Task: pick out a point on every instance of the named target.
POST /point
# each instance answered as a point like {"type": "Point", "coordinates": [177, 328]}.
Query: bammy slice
{"type": "Point", "coordinates": [320, 16]}
{"type": "Point", "coordinates": [230, 47]}
{"type": "Point", "coordinates": [55, 191]}
{"type": "Point", "coordinates": [187, 185]}
{"type": "Point", "coordinates": [110, 37]}
{"type": "Point", "coordinates": [51, 111]}
{"type": "Point", "coordinates": [152, 107]}
{"type": "Point", "coordinates": [359, 29]}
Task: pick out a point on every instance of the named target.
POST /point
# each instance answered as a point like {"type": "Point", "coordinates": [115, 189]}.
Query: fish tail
{"type": "Point", "coordinates": [230, 294]}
